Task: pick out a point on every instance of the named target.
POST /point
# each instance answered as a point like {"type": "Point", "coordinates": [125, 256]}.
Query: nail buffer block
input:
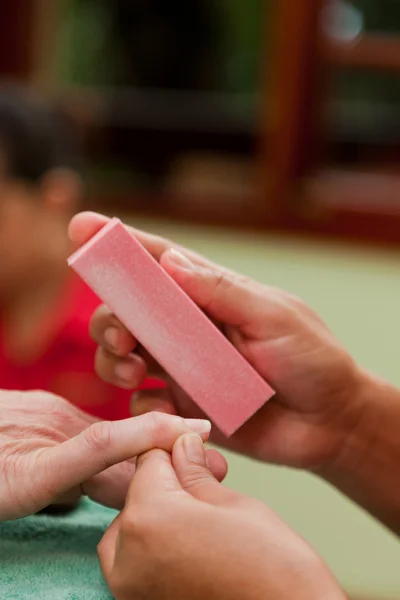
{"type": "Point", "coordinates": [171, 327]}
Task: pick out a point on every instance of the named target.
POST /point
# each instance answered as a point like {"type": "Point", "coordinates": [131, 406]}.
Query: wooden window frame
{"type": "Point", "coordinates": [295, 193]}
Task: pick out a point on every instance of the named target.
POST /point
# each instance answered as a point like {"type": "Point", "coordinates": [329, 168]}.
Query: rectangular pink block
{"type": "Point", "coordinates": [171, 327]}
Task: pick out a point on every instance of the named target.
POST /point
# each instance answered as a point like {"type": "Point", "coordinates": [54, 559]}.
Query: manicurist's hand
{"type": "Point", "coordinates": [317, 382]}
{"type": "Point", "coordinates": [183, 535]}
{"type": "Point", "coordinates": [329, 415]}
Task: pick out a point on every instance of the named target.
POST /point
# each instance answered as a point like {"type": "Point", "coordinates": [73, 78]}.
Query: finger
{"type": "Point", "coordinates": [217, 464]}
{"type": "Point", "coordinates": [146, 401]}
{"type": "Point", "coordinates": [110, 487]}
{"type": "Point", "coordinates": [86, 224]}
{"type": "Point", "coordinates": [105, 444]}
{"type": "Point", "coordinates": [107, 331]}
{"type": "Point", "coordinates": [153, 367]}
{"type": "Point", "coordinates": [69, 499]}
{"type": "Point", "coordinates": [155, 474]}
{"type": "Point", "coordinates": [128, 372]}
{"type": "Point", "coordinates": [160, 401]}
{"type": "Point", "coordinates": [107, 546]}
{"type": "Point", "coordinates": [190, 464]}
{"type": "Point", "coordinates": [154, 477]}
{"type": "Point", "coordinates": [224, 297]}
{"type": "Point", "coordinates": [234, 300]}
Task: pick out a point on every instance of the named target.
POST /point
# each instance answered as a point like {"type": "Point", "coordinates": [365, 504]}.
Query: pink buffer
{"type": "Point", "coordinates": [171, 327]}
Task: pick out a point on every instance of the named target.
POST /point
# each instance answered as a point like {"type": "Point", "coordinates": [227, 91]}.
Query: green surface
{"type": "Point", "coordinates": [358, 295]}
{"type": "Point", "coordinates": [54, 558]}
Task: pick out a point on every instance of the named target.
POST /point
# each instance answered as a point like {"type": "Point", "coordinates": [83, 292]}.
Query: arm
{"type": "Point", "coordinates": [368, 467]}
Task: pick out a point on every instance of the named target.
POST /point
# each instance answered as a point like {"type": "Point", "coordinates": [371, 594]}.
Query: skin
{"type": "Point", "coordinates": [33, 236]}
{"type": "Point", "coordinates": [329, 416]}
{"type": "Point", "coordinates": [319, 386]}
{"type": "Point", "coordinates": [183, 535]}
{"type": "Point", "coordinates": [70, 452]}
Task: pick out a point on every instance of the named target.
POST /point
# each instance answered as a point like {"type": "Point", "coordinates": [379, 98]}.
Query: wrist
{"type": "Point", "coordinates": [367, 467]}
{"type": "Point", "coordinates": [359, 432]}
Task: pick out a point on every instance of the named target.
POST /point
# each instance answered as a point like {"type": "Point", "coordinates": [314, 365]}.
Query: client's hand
{"type": "Point", "coordinates": [183, 535]}
{"type": "Point", "coordinates": [49, 448]}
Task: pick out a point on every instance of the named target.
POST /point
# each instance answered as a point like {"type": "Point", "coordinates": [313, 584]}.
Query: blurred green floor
{"type": "Point", "coordinates": [357, 292]}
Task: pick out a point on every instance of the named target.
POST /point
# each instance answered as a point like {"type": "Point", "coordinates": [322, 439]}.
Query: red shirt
{"type": "Point", "coordinates": [61, 359]}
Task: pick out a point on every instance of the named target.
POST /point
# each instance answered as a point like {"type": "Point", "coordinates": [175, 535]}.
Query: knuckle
{"type": "Point", "coordinates": [160, 424]}
{"type": "Point", "coordinates": [221, 286]}
{"type": "Point", "coordinates": [98, 436]}
{"type": "Point", "coordinates": [195, 477]}
{"type": "Point", "coordinates": [142, 524]}
{"type": "Point", "coordinates": [223, 282]}
{"type": "Point", "coordinates": [138, 524]}
{"type": "Point", "coordinates": [98, 322]}
{"type": "Point", "coordinates": [156, 424]}
{"type": "Point", "coordinates": [55, 407]}
{"type": "Point", "coordinates": [129, 522]}
{"type": "Point", "coordinates": [54, 411]}
{"type": "Point", "coordinates": [48, 402]}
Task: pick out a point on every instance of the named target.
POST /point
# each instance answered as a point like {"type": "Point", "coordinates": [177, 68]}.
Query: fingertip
{"type": "Point", "coordinates": [107, 331]}
{"type": "Point", "coordinates": [179, 267]}
{"type": "Point", "coordinates": [118, 339]}
{"type": "Point", "coordinates": [124, 372]}
{"type": "Point", "coordinates": [177, 259]}
{"type": "Point", "coordinates": [112, 337]}
{"type": "Point", "coordinates": [130, 372]}
{"type": "Point", "coordinates": [84, 225]}
{"type": "Point", "coordinates": [189, 449]}
{"type": "Point", "coordinates": [217, 464]}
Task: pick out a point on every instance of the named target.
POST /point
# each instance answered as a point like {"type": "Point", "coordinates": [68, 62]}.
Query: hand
{"type": "Point", "coordinates": [183, 535]}
{"type": "Point", "coordinates": [319, 387]}
{"type": "Point", "coordinates": [49, 448]}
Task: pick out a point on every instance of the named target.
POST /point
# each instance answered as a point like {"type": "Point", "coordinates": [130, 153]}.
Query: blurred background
{"type": "Point", "coordinates": [265, 134]}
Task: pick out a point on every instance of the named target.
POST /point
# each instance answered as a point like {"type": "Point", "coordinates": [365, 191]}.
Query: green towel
{"type": "Point", "coordinates": [54, 557]}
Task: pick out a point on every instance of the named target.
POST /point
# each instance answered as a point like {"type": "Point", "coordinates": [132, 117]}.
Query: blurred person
{"type": "Point", "coordinates": [184, 533]}
{"type": "Point", "coordinates": [44, 308]}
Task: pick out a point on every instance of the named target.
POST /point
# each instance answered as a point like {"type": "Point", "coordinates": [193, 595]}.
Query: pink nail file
{"type": "Point", "coordinates": [171, 327]}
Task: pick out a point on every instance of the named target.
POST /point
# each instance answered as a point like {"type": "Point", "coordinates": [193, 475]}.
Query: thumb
{"type": "Point", "coordinates": [189, 460]}
{"type": "Point", "coordinates": [226, 297]}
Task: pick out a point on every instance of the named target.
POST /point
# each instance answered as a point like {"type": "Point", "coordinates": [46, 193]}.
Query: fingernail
{"type": "Point", "coordinates": [111, 336]}
{"type": "Point", "coordinates": [125, 371]}
{"type": "Point", "coordinates": [180, 259]}
{"type": "Point", "coordinates": [194, 449]}
{"type": "Point", "coordinates": [199, 425]}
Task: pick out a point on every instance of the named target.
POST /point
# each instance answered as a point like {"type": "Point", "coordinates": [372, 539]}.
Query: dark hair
{"type": "Point", "coordinates": [34, 137]}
